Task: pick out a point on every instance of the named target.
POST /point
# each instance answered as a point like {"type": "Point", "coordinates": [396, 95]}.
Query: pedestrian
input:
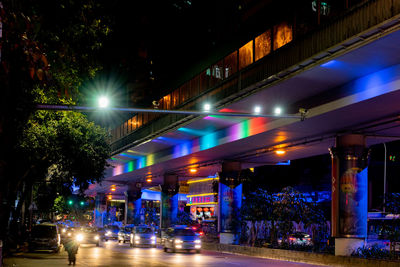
{"type": "Point", "coordinates": [71, 246]}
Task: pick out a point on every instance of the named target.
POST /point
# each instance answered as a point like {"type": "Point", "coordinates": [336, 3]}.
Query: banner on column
{"type": "Point", "coordinates": [230, 204]}
{"type": "Point", "coordinates": [353, 202]}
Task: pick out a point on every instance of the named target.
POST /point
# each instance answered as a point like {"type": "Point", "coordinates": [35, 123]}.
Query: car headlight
{"type": "Point", "coordinates": [79, 237]}
{"type": "Point", "coordinates": [197, 241]}
{"type": "Point", "coordinates": [178, 241]}
{"type": "Point", "coordinates": [153, 237]}
{"type": "Point", "coordinates": [137, 237]}
{"type": "Point", "coordinates": [96, 237]}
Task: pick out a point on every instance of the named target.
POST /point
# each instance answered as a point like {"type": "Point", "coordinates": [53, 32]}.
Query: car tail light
{"type": "Point", "coordinates": [201, 233]}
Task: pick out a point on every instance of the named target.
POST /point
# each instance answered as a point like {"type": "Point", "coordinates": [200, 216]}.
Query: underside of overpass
{"type": "Point", "coordinates": [354, 91]}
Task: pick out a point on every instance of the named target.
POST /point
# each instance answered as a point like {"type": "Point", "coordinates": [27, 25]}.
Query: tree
{"type": "Point", "coordinates": [183, 218]}
{"type": "Point", "coordinates": [257, 206]}
{"type": "Point", "coordinates": [47, 49]}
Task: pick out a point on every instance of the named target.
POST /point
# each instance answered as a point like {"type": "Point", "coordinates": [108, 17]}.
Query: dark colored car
{"type": "Point", "coordinates": [143, 236]}
{"type": "Point", "coordinates": [124, 234]}
{"type": "Point", "coordinates": [182, 239]}
{"type": "Point", "coordinates": [87, 235]}
{"type": "Point", "coordinates": [44, 237]}
{"type": "Point", "coordinates": [111, 232]}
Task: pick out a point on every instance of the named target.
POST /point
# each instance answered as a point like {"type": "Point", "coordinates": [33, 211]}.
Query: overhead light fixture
{"type": "Point", "coordinates": [207, 107]}
{"type": "Point", "coordinates": [109, 197]}
{"type": "Point", "coordinates": [149, 180]}
{"type": "Point", "coordinates": [192, 170]}
{"type": "Point", "coordinates": [277, 111]}
{"type": "Point", "coordinates": [113, 189]}
{"type": "Point", "coordinates": [257, 109]}
{"type": "Point", "coordinates": [280, 152]}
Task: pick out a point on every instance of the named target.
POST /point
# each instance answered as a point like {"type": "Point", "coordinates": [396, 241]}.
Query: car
{"type": "Point", "coordinates": [143, 236]}
{"type": "Point", "coordinates": [299, 238]}
{"type": "Point", "coordinates": [182, 239]}
{"type": "Point", "coordinates": [44, 236]}
{"type": "Point", "coordinates": [111, 232]}
{"type": "Point", "coordinates": [87, 235]}
{"type": "Point", "coordinates": [124, 234]}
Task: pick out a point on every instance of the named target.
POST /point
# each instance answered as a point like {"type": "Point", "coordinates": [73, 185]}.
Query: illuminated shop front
{"type": "Point", "coordinates": [202, 199]}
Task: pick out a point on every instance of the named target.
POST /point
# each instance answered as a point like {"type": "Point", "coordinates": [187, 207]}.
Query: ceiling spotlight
{"type": "Point", "coordinates": [277, 111]}
{"type": "Point", "coordinates": [257, 109]}
{"type": "Point", "coordinates": [113, 189]}
{"type": "Point", "coordinates": [192, 170]}
{"type": "Point", "coordinates": [149, 180]}
{"type": "Point", "coordinates": [207, 107]}
{"type": "Point", "coordinates": [280, 152]}
{"type": "Point", "coordinates": [109, 197]}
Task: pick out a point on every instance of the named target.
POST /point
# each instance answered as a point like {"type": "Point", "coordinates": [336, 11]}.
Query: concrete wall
{"type": "Point", "coordinates": [299, 256]}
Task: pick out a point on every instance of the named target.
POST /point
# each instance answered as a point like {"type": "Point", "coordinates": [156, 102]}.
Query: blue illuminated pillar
{"type": "Point", "coordinates": [230, 202]}
{"type": "Point", "coordinates": [133, 203]}
{"type": "Point", "coordinates": [349, 193]}
{"type": "Point", "coordinates": [100, 209]}
{"type": "Point", "coordinates": [169, 200]}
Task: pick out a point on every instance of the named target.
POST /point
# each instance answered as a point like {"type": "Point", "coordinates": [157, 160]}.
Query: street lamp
{"type": "Point", "coordinates": [103, 102]}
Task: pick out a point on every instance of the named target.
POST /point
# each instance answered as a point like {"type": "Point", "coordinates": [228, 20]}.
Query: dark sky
{"type": "Point", "coordinates": [157, 45]}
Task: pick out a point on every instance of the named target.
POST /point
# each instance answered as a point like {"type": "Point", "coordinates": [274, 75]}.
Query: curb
{"type": "Point", "coordinates": [299, 256]}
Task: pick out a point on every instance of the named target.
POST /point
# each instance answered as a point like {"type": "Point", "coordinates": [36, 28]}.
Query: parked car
{"type": "Point", "coordinates": [87, 235]}
{"type": "Point", "coordinates": [299, 238]}
{"type": "Point", "coordinates": [111, 232]}
{"type": "Point", "coordinates": [44, 237]}
{"type": "Point", "coordinates": [124, 234]}
{"type": "Point", "coordinates": [143, 236]}
{"type": "Point", "coordinates": [179, 239]}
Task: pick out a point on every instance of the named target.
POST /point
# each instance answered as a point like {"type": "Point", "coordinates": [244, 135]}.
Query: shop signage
{"type": "Point", "coordinates": [201, 199]}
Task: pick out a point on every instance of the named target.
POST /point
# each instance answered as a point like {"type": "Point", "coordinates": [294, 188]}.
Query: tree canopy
{"type": "Point", "coordinates": [48, 49]}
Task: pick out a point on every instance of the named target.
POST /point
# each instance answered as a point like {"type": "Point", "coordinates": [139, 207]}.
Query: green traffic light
{"type": "Point", "coordinates": [82, 203]}
{"type": "Point", "coordinates": [70, 202]}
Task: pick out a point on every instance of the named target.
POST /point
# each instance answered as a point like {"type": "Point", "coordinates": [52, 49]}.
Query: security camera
{"type": "Point", "coordinates": [155, 104]}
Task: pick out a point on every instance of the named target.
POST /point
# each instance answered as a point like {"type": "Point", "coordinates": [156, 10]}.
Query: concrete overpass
{"type": "Point", "coordinates": [350, 85]}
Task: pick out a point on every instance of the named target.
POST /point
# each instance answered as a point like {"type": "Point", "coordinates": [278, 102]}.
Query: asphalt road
{"type": "Point", "coordinates": [114, 254]}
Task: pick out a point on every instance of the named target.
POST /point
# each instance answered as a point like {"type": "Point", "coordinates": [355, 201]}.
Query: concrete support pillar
{"type": "Point", "coordinates": [133, 203]}
{"type": "Point", "coordinates": [100, 209]}
{"type": "Point", "coordinates": [229, 201]}
{"type": "Point", "coordinates": [349, 193]}
{"type": "Point", "coordinates": [169, 200]}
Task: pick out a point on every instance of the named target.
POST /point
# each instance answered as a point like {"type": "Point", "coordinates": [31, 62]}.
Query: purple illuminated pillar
{"type": "Point", "coordinates": [349, 193]}
{"type": "Point", "coordinates": [169, 200]}
{"type": "Point", "coordinates": [230, 202]}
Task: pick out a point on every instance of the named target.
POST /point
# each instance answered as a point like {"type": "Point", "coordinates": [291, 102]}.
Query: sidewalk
{"type": "Point", "coordinates": [299, 256]}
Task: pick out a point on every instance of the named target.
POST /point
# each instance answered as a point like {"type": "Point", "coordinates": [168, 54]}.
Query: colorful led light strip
{"type": "Point", "coordinates": [201, 180]}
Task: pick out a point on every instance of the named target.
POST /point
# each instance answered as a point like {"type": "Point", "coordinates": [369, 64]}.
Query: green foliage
{"type": "Point", "coordinates": [375, 252]}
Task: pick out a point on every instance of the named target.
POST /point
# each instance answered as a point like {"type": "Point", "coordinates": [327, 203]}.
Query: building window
{"type": "Point", "coordinates": [230, 64]}
{"type": "Point", "coordinates": [282, 35]}
{"type": "Point", "coordinates": [246, 55]}
{"type": "Point", "coordinates": [263, 45]}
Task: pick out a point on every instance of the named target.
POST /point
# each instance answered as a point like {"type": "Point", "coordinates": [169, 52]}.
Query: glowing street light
{"type": "Point", "coordinates": [280, 152]}
{"type": "Point", "coordinates": [277, 111]}
{"type": "Point", "coordinates": [192, 170]}
{"type": "Point", "coordinates": [103, 102]}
